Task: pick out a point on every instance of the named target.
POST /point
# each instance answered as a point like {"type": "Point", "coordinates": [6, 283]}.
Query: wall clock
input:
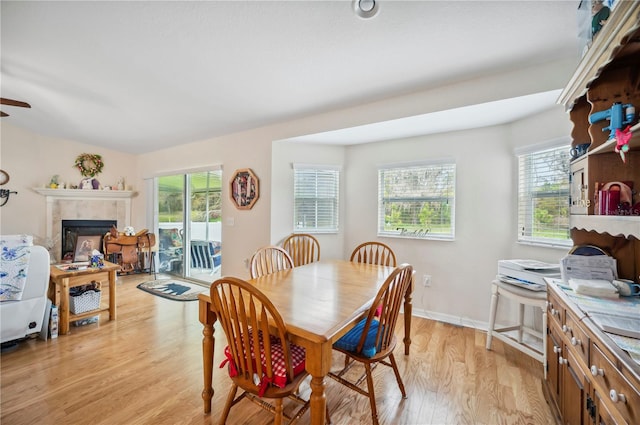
{"type": "Point", "coordinates": [4, 177]}
{"type": "Point", "coordinates": [245, 189]}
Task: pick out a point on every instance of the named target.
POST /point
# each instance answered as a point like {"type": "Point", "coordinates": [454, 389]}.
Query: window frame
{"type": "Point", "coordinates": [447, 198]}
{"type": "Point", "coordinates": [335, 216]}
{"type": "Point", "coordinates": [525, 219]}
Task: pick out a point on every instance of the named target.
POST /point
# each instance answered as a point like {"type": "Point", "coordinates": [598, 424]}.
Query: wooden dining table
{"type": "Point", "coordinates": [319, 303]}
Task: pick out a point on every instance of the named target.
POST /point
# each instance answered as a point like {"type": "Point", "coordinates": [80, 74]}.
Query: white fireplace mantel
{"type": "Point", "coordinates": [86, 193]}
{"type": "Point", "coordinates": [55, 195]}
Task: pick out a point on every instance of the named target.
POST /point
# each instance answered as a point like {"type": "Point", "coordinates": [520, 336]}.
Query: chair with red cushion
{"type": "Point", "coordinates": [260, 358]}
{"type": "Point", "coordinates": [372, 340]}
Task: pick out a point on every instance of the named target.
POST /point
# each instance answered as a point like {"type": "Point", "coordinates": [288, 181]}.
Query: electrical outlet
{"type": "Point", "coordinates": [426, 280]}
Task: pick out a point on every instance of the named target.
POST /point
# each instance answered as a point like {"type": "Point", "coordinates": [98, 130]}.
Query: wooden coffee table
{"type": "Point", "coordinates": [62, 280]}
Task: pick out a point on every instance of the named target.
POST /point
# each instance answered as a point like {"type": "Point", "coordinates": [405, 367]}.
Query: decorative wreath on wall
{"type": "Point", "coordinates": [89, 165]}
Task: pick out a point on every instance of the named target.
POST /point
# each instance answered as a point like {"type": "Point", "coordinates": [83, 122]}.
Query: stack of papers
{"type": "Point", "coordinates": [589, 267]}
{"type": "Point", "coordinates": [619, 325]}
{"type": "Point", "coordinates": [594, 287]}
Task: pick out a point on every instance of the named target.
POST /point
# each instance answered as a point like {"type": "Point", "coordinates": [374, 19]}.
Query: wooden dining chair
{"type": "Point", "coordinates": [269, 259]}
{"type": "Point", "coordinates": [303, 248]}
{"type": "Point", "coordinates": [374, 253]}
{"type": "Point", "coordinates": [372, 340]}
{"type": "Point", "coordinates": [255, 330]}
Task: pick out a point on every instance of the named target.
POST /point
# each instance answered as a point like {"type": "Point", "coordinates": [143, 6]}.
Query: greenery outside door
{"type": "Point", "coordinates": [189, 224]}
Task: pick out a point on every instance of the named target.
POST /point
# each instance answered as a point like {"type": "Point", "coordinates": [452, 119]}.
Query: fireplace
{"type": "Point", "coordinates": [79, 204]}
{"type": "Point", "coordinates": [79, 234]}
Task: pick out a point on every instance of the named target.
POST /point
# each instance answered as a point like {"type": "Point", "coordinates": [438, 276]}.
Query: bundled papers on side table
{"type": "Point", "coordinates": [594, 287]}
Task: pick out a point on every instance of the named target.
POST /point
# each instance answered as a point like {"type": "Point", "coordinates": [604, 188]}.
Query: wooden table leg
{"type": "Point", "coordinates": [64, 306]}
{"type": "Point", "coordinates": [408, 308]}
{"type": "Point", "coordinates": [318, 363]}
{"type": "Point", "coordinates": [207, 318]}
{"type": "Point", "coordinates": [112, 295]}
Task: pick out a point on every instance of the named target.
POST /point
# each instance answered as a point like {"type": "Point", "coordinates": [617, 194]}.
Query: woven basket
{"type": "Point", "coordinates": [89, 300]}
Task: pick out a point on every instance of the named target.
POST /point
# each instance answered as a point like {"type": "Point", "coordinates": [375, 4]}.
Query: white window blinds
{"type": "Point", "coordinates": [316, 199]}
{"type": "Point", "coordinates": [417, 201]}
{"type": "Point", "coordinates": [544, 196]}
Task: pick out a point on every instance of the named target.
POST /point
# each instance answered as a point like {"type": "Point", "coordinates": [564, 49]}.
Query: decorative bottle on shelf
{"type": "Point", "coordinates": [121, 183]}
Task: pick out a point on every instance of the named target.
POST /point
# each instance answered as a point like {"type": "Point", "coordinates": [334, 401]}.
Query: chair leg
{"type": "Point", "coordinates": [278, 418]}
{"type": "Point", "coordinates": [394, 365]}
{"type": "Point", "coordinates": [152, 266]}
{"type": "Point", "coordinates": [520, 322]}
{"type": "Point", "coordinates": [346, 361]}
{"type": "Point", "coordinates": [227, 406]}
{"type": "Point", "coordinates": [492, 316]}
{"type": "Point", "coordinates": [372, 395]}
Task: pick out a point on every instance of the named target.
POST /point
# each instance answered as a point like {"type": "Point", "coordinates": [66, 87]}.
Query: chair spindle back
{"type": "Point", "coordinates": [390, 297]}
{"type": "Point", "coordinates": [374, 253]}
{"type": "Point", "coordinates": [303, 248]}
{"type": "Point", "coordinates": [269, 259]}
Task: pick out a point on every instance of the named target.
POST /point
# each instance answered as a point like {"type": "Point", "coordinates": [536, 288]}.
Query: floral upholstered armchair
{"type": "Point", "coordinates": [24, 280]}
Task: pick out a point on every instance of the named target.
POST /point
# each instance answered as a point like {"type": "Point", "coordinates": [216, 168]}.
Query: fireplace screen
{"type": "Point", "coordinates": [81, 237]}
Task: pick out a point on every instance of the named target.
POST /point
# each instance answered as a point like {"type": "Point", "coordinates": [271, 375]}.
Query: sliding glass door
{"type": "Point", "coordinates": [189, 225]}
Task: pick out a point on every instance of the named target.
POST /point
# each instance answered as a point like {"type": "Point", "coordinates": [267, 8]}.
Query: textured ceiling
{"type": "Point", "coordinates": [140, 76]}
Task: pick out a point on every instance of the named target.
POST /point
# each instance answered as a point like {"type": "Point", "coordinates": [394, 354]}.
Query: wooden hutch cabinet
{"type": "Point", "coordinates": [590, 380]}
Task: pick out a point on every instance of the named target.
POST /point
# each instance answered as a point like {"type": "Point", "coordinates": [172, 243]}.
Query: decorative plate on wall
{"type": "Point", "coordinates": [245, 189]}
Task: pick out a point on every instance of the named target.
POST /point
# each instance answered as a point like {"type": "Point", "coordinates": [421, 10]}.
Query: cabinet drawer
{"type": "Point", "coordinates": [615, 386]}
{"type": "Point", "coordinates": [604, 415]}
{"type": "Point", "coordinates": [555, 310]}
{"type": "Point", "coordinates": [576, 336]}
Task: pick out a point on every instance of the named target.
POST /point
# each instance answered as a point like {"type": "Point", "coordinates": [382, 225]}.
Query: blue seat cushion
{"type": "Point", "coordinates": [350, 340]}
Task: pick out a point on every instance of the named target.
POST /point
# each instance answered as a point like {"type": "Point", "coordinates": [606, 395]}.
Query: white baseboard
{"type": "Point", "coordinates": [454, 320]}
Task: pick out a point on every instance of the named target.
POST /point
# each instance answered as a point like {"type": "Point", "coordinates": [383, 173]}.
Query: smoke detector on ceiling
{"type": "Point", "coordinates": [366, 9]}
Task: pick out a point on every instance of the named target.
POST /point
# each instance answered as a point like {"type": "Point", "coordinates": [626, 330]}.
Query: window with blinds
{"type": "Point", "coordinates": [417, 201]}
{"type": "Point", "coordinates": [315, 199]}
{"type": "Point", "coordinates": [544, 196]}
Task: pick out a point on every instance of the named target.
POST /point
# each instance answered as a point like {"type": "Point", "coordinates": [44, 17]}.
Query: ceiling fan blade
{"type": "Point", "coordinates": [2, 114]}
{"type": "Point", "coordinates": [12, 102]}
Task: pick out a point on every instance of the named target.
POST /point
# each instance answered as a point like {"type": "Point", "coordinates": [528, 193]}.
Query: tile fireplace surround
{"type": "Point", "coordinates": [83, 204]}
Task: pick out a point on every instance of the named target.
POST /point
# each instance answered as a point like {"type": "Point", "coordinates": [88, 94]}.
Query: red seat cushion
{"type": "Point", "coordinates": [277, 359]}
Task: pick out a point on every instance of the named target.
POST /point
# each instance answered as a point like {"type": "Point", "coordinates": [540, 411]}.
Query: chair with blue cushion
{"type": "Point", "coordinates": [372, 340]}
{"type": "Point", "coordinates": [254, 329]}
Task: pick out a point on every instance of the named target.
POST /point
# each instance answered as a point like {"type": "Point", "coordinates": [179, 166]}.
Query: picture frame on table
{"type": "Point", "coordinates": [85, 246]}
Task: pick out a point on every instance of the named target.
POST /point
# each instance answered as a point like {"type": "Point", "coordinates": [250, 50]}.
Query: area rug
{"type": "Point", "coordinates": [174, 289]}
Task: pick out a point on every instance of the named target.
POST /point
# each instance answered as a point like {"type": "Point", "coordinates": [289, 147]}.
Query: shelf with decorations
{"type": "Point", "coordinates": [610, 145]}
{"type": "Point", "coordinates": [86, 193]}
{"type": "Point", "coordinates": [602, 98]}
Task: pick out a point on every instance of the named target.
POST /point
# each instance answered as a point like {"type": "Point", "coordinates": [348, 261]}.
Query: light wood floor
{"type": "Point", "coordinates": [145, 368]}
